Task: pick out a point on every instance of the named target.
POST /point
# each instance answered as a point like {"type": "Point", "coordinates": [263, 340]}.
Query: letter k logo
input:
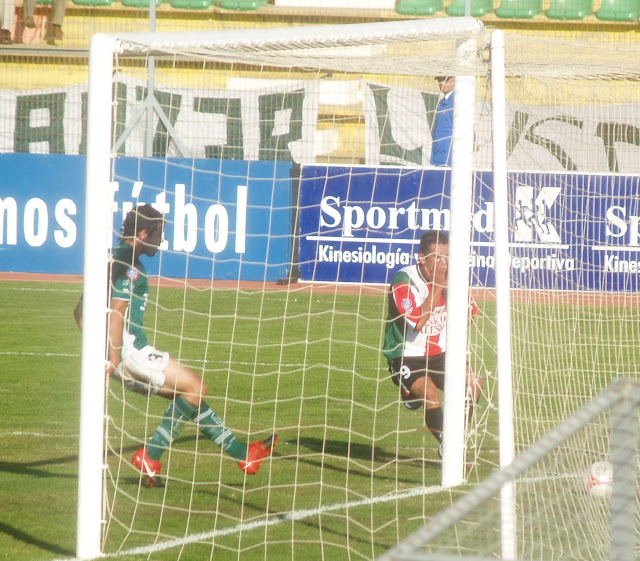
{"type": "Point", "coordinates": [531, 214]}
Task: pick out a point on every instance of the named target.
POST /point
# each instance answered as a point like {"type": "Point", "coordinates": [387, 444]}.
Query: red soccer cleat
{"type": "Point", "coordinates": [150, 468]}
{"type": "Point", "coordinates": [257, 452]}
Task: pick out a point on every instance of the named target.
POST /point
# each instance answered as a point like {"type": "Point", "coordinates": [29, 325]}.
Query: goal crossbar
{"type": "Point", "coordinates": [265, 40]}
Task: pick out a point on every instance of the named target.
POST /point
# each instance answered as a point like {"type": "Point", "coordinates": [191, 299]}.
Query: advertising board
{"type": "Point", "coordinates": [568, 231]}
{"type": "Point", "coordinates": [224, 219]}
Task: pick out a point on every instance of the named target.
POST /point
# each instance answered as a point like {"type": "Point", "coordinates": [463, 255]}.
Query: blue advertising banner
{"type": "Point", "coordinates": [360, 224]}
{"type": "Point", "coordinates": [41, 221]}
{"type": "Point", "coordinates": [568, 231]}
{"type": "Point", "coordinates": [224, 219]}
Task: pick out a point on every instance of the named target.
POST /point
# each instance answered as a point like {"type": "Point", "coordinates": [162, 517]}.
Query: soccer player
{"type": "Point", "coordinates": [415, 336]}
{"type": "Point", "coordinates": [145, 369]}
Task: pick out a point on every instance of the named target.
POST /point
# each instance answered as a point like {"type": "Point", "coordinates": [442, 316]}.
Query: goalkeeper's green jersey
{"type": "Point", "coordinates": [129, 282]}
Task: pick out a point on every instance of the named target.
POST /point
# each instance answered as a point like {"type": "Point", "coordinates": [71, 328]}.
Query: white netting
{"type": "Point", "coordinates": [355, 472]}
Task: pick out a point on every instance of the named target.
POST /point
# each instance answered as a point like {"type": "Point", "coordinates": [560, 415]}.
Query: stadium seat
{"type": "Point", "coordinates": [92, 2]}
{"type": "Point", "coordinates": [242, 4]}
{"type": "Point", "coordinates": [619, 10]}
{"type": "Point", "coordinates": [519, 9]}
{"type": "Point", "coordinates": [478, 7]}
{"type": "Point", "coordinates": [191, 4]}
{"type": "Point", "coordinates": [570, 9]}
{"type": "Point", "coordinates": [45, 2]}
{"type": "Point", "coordinates": [139, 3]}
{"type": "Point", "coordinates": [419, 7]}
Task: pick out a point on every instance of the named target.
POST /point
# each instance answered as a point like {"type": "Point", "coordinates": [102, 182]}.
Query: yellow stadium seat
{"type": "Point", "coordinates": [478, 8]}
{"type": "Point", "coordinates": [419, 7]}
{"type": "Point", "coordinates": [519, 9]}
{"type": "Point", "coordinates": [570, 9]}
{"type": "Point", "coordinates": [619, 10]}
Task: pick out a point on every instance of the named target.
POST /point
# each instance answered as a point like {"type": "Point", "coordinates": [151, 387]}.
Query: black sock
{"type": "Point", "coordinates": [468, 411]}
{"type": "Point", "coordinates": [434, 421]}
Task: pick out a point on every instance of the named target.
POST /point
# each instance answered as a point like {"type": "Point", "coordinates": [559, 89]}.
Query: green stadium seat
{"type": "Point", "coordinates": [519, 9]}
{"type": "Point", "coordinates": [242, 4]}
{"type": "Point", "coordinates": [92, 2]}
{"type": "Point", "coordinates": [45, 2]}
{"type": "Point", "coordinates": [191, 4]}
{"type": "Point", "coordinates": [570, 9]}
{"type": "Point", "coordinates": [479, 8]}
{"type": "Point", "coordinates": [419, 7]}
{"type": "Point", "coordinates": [139, 3]}
{"type": "Point", "coordinates": [619, 10]}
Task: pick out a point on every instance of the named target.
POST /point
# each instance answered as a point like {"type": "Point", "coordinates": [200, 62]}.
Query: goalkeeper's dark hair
{"type": "Point", "coordinates": [143, 217]}
{"type": "Point", "coordinates": [432, 237]}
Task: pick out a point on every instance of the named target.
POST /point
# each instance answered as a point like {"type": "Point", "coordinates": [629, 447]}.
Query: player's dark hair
{"type": "Point", "coordinates": [432, 237]}
{"type": "Point", "coordinates": [143, 217]}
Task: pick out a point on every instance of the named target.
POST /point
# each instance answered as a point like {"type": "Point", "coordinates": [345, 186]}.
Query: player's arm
{"type": "Point", "coordinates": [426, 309]}
{"type": "Point", "coordinates": [404, 300]}
{"type": "Point", "coordinates": [436, 290]}
{"type": "Point", "coordinates": [115, 328]}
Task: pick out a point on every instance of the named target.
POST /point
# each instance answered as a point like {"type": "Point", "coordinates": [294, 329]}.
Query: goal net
{"type": "Point", "coordinates": [293, 169]}
{"type": "Point", "coordinates": [572, 505]}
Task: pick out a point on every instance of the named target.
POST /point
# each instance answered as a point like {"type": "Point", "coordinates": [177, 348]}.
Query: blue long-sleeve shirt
{"type": "Point", "coordinates": [442, 132]}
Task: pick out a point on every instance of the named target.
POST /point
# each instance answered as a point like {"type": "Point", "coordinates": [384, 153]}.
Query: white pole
{"type": "Point", "coordinates": [458, 273]}
{"type": "Point", "coordinates": [96, 244]}
{"type": "Point", "coordinates": [151, 94]}
{"type": "Point", "coordinates": [503, 286]}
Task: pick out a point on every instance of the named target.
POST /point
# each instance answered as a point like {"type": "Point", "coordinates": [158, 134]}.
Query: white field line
{"type": "Point", "coordinates": [273, 520]}
{"type": "Point", "coordinates": [39, 353]}
{"type": "Point", "coordinates": [289, 517]}
{"type": "Point", "coordinates": [185, 360]}
{"type": "Point", "coordinates": [285, 517]}
{"type": "Point", "coordinates": [38, 434]}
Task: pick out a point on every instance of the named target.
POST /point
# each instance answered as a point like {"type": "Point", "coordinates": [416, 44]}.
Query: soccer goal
{"type": "Point", "coordinates": [293, 169]}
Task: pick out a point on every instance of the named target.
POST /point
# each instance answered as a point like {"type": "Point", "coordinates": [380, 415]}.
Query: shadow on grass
{"type": "Point", "coordinates": [341, 450]}
{"type": "Point", "coordinates": [350, 450]}
{"type": "Point", "coordinates": [29, 539]}
{"type": "Point", "coordinates": [31, 468]}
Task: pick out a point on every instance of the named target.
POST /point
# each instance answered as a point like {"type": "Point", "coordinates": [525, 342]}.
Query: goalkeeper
{"type": "Point", "coordinates": [414, 342]}
{"type": "Point", "coordinates": [145, 369]}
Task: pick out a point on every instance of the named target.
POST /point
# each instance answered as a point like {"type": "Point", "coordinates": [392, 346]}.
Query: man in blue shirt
{"type": "Point", "coordinates": [442, 130]}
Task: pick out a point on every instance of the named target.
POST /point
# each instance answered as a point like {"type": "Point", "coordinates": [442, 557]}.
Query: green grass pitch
{"type": "Point", "coordinates": [354, 471]}
{"type": "Point", "coordinates": [345, 441]}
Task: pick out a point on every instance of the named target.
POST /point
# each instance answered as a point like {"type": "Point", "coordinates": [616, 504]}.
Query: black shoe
{"type": "Point", "coordinates": [5, 37]}
{"type": "Point", "coordinates": [411, 403]}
